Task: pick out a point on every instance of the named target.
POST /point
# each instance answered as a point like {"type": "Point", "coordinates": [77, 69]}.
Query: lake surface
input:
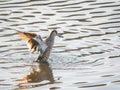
{"type": "Point", "coordinates": [87, 58]}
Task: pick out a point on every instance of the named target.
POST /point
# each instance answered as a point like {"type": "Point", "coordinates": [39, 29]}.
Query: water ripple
{"type": "Point", "coordinates": [87, 56]}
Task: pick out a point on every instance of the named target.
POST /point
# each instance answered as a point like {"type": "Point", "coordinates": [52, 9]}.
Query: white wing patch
{"type": "Point", "coordinates": [42, 45]}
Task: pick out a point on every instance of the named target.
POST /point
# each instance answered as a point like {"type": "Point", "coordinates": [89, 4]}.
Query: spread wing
{"type": "Point", "coordinates": [29, 38]}
{"type": "Point", "coordinates": [26, 36]}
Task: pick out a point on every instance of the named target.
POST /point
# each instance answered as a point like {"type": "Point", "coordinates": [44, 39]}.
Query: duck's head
{"type": "Point", "coordinates": [57, 34]}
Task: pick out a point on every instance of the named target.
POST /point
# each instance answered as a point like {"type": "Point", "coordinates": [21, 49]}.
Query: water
{"type": "Point", "coordinates": [87, 58]}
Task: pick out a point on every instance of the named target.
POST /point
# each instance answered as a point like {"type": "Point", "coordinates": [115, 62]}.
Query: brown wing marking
{"type": "Point", "coordinates": [29, 38]}
{"type": "Point", "coordinates": [32, 44]}
{"type": "Point", "coordinates": [25, 35]}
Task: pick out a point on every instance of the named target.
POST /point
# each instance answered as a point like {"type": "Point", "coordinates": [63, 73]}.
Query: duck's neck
{"type": "Point", "coordinates": [50, 39]}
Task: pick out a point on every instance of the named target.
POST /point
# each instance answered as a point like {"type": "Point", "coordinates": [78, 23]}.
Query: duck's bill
{"type": "Point", "coordinates": [60, 35]}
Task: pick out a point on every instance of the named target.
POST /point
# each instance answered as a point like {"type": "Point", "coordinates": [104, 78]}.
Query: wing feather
{"type": "Point", "coordinates": [29, 38]}
{"type": "Point", "coordinates": [32, 44]}
{"type": "Point", "coordinates": [26, 36]}
{"type": "Point", "coordinates": [34, 41]}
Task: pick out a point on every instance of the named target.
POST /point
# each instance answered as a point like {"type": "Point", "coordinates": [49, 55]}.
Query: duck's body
{"type": "Point", "coordinates": [36, 43]}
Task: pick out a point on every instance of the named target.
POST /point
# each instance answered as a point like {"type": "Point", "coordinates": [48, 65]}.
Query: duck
{"type": "Point", "coordinates": [36, 43]}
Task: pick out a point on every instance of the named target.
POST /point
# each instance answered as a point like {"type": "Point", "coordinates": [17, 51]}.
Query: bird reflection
{"type": "Point", "coordinates": [39, 74]}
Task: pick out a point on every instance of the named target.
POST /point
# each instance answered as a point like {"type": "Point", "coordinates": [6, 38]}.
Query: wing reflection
{"type": "Point", "coordinates": [36, 75]}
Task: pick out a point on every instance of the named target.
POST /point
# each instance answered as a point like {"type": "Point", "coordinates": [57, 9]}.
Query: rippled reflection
{"type": "Point", "coordinates": [36, 75]}
{"type": "Point", "coordinates": [87, 58]}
